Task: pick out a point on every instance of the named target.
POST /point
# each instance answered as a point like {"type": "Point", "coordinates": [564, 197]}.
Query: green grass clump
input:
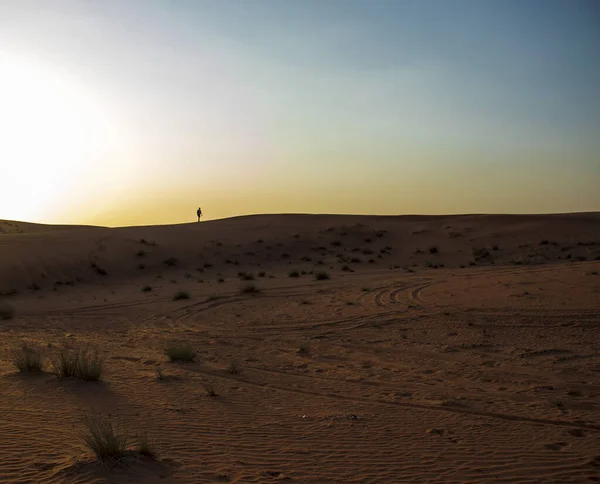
{"type": "Point", "coordinates": [81, 364]}
{"type": "Point", "coordinates": [105, 438]}
{"type": "Point", "coordinates": [28, 359]}
{"type": "Point", "coordinates": [183, 352]}
{"type": "Point", "coordinates": [180, 296]}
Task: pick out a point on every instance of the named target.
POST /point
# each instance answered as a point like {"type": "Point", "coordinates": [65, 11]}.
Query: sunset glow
{"type": "Point", "coordinates": [122, 113]}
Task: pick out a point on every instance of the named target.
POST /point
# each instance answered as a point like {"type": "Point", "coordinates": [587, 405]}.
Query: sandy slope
{"type": "Point", "coordinates": [486, 373]}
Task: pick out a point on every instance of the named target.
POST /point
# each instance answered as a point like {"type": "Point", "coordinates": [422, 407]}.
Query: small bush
{"type": "Point", "coordinates": [244, 276]}
{"type": "Point", "coordinates": [304, 348]}
{"type": "Point", "coordinates": [6, 311]}
{"type": "Point", "coordinates": [81, 364]}
{"type": "Point", "coordinates": [146, 288]}
{"type": "Point", "coordinates": [28, 359]}
{"type": "Point", "coordinates": [140, 253]}
{"type": "Point", "coordinates": [210, 391]}
{"type": "Point", "coordinates": [145, 448]}
{"type": "Point", "coordinates": [171, 261]}
{"type": "Point", "coordinates": [262, 274]}
{"type": "Point", "coordinates": [233, 367]}
{"type": "Point", "coordinates": [250, 289]}
{"type": "Point", "coordinates": [322, 276]}
{"type": "Point", "coordinates": [159, 373]}
{"type": "Point", "coordinates": [184, 352]}
{"type": "Point", "coordinates": [181, 295]}
{"type": "Point", "coordinates": [433, 250]}
{"type": "Point", "coordinates": [294, 274]}
{"type": "Point", "coordinates": [103, 437]}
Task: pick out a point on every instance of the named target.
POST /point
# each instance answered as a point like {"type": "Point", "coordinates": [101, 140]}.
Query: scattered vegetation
{"type": "Point", "coordinates": [6, 311]}
{"type": "Point", "coordinates": [28, 359]}
{"type": "Point", "coordinates": [171, 261]}
{"type": "Point", "coordinates": [304, 348]}
{"type": "Point", "coordinates": [250, 289]}
{"type": "Point", "coordinates": [181, 352]}
{"type": "Point", "coordinates": [180, 295]}
{"type": "Point", "coordinates": [146, 288]}
{"type": "Point", "coordinates": [294, 274]}
{"type": "Point", "coordinates": [140, 253]}
{"type": "Point", "coordinates": [105, 438]}
{"type": "Point", "coordinates": [322, 276]}
{"type": "Point", "coordinates": [433, 250]}
{"type": "Point", "coordinates": [210, 391]}
{"type": "Point", "coordinates": [233, 367]}
{"type": "Point", "coordinates": [99, 270]}
{"type": "Point", "coordinates": [84, 365]}
{"type": "Point", "coordinates": [245, 276]}
{"type": "Point", "coordinates": [145, 448]}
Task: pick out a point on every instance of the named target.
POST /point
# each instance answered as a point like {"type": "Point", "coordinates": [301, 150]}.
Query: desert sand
{"type": "Point", "coordinates": [441, 349]}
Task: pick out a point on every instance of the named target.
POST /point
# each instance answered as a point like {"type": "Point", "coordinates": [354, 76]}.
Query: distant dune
{"type": "Point", "coordinates": [36, 255]}
{"type": "Point", "coordinates": [42, 256]}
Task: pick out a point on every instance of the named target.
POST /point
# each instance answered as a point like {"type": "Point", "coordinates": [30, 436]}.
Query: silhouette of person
{"type": "Point", "coordinates": [199, 213]}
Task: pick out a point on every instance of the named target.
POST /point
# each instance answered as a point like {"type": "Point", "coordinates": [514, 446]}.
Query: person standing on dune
{"type": "Point", "coordinates": [199, 213]}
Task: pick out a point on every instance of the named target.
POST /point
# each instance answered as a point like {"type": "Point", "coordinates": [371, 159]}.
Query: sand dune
{"type": "Point", "coordinates": [441, 348]}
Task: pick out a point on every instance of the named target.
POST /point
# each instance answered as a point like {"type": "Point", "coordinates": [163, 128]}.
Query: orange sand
{"type": "Point", "coordinates": [486, 373]}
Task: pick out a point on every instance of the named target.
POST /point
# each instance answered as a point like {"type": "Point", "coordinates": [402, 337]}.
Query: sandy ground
{"type": "Point", "coordinates": [441, 349]}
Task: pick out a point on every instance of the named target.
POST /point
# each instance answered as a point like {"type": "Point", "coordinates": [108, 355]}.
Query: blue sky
{"type": "Point", "coordinates": [317, 106]}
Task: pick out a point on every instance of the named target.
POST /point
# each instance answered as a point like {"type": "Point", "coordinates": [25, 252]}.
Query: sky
{"type": "Point", "coordinates": [133, 113]}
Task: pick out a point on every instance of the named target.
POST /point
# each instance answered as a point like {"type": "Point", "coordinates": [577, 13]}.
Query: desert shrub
{"type": "Point", "coordinates": [81, 364]}
{"type": "Point", "coordinates": [245, 276]}
{"type": "Point", "coordinates": [104, 437]}
{"type": "Point", "coordinates": [322, 276]}
{"type": "Point", "coordinates": [346, 268]}
{"type": "Point", "coordinates": [6, 311]}
{"type": "Point", "coordinates": [233, 367]}
{"type": "Point", "coordinates": [146, 288]}
{"type": "Point", "coordinates": [294, 274]}
{"type": "Point", "coordinates": [433, 250]}
{"type": "Point", "coordinates": [171, 261]}
{"type": "Point", "coordinates": [481, 253]}
{"type": "Point", "coordinates": [140, 253]}
{"type": "Point", "coordinates": [181, 295]}
{"type": "Point", "coordinates": [145, 447]}
{"type": "Point", "coordinates": [181, 352]}
{"type": "Point", "coordinates": [99, 270]}
{"type": "Point", "coordinates": [28, 359]}
{"type": "Point", "coordinates": [250, 289]}
{"type": "Point", "coordinates": [210, 391]}
{"type": "Point", "coordinates": [304, 348]}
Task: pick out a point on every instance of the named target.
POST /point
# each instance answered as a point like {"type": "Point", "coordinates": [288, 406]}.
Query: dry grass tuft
{"type": "Point", "coordinates": [84, 365]}
{"type": "Point", "coordinates": [28, 359]}
{"type": "Point", "coordinates": [183, 352]}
